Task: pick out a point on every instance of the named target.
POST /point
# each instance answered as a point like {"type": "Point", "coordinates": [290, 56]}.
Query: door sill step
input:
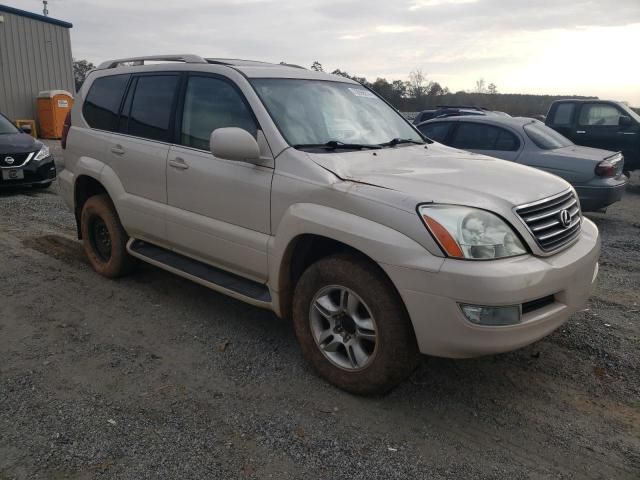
{"type": "Point", "coordinates": [212, 277]}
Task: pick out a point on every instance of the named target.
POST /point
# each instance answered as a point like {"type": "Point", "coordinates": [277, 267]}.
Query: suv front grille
{"type": "Point", "coordinates": [545, 221]}
{"type": "Point", "coordinates": [19, 159]}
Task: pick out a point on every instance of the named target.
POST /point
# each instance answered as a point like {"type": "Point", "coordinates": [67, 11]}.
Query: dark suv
{"type": "Point", "coordinates": [600, 124]}
{"type": "Point", "coordinates": [23, 160]}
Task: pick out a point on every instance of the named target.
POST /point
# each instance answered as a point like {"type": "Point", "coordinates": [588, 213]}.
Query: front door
{"type": "Point", "coordinates": [218, 210]}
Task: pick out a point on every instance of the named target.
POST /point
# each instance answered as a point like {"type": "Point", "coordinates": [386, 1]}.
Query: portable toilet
{"type": "Point", "coordinates": [53, 106]}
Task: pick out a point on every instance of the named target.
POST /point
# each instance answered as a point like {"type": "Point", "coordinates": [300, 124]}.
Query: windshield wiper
{"type": "Point", "coordinates": [336, 144]}
{"type": "Point", "coordinates": [397, 141]}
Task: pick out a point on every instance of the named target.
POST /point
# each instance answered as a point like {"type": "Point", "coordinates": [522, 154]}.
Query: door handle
{"type": "Point", "coordinates": [581, 131]}
{"type": "Point", "coordinates": [178, 163]}
{"type": "Point", "coordinates": [118, 150]}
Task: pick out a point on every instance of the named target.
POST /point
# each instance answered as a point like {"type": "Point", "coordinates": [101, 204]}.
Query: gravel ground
{"type": "Point", "coordinates": [155, 377]}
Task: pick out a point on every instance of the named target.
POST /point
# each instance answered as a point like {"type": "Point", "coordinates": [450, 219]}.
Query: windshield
{"type": "Point", "coordinates": [631, 113]}
{"type": "Point", "coordinates": [545, 137]}
{"type": "Point", "coordinates": [6, 126]}
{"type": "Point", "coordinates": [314, 112]}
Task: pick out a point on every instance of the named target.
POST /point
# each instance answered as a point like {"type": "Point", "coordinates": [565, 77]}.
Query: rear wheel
{"type": "Point", "coordinates": [352, 325]}
{"type": "Point", "coordinates": [104, 239]}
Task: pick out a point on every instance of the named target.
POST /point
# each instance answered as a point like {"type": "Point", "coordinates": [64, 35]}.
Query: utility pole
{"type": "Point", "coordinates": [45, 12]}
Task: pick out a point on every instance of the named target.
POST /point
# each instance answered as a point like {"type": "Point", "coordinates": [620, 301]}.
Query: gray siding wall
{"type": "Point", "coordinates": [34, 56]}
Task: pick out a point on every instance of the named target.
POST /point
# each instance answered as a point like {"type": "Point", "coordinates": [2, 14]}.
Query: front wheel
{"type": "Point", "coordinates": [352, 325]}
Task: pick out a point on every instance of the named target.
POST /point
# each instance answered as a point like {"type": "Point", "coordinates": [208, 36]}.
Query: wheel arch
{"type": "Point", "coordinates": [310, 232]}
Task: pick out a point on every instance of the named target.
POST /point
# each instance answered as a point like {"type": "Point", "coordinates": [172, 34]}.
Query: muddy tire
{"type": "Point", "coordinates": [104, 239]}
{"type": "Point", "coordinates": [352, 325]}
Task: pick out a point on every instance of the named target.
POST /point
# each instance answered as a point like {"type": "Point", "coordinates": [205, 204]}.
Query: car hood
{"type": "Point", "coordinates": [18, 143]}
{"type": "Point", "coordinates": [440, 174]}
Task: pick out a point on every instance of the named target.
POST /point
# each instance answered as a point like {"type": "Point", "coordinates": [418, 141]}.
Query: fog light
{"type": "Point", "coordinates": [481, 315]}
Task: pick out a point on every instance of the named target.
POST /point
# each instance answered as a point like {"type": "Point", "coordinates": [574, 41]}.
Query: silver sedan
{"type": "Point", "coordinates": [596, 174]}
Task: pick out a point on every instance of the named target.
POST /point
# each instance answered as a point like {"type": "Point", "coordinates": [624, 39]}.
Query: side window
{"type": "Point", "coordinates": [476, 136]}
{"type": "Point", "coordinates": [599, 114]}
{"type": "Point", "coordinates": [212, 103]}
{"type": "Point", "coordinates": [563, 114]}
{"type": "Point", "coordinates": [436, 131]}
{"type": "Point", "coordinates": [101, 106]}
{"type": "Point", "coordinates": [507, 141]}
{"type": "Point", "coordinates": [151, 106]}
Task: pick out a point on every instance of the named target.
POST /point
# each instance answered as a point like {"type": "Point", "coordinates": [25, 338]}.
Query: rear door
{"type": "Point", "coordinates": [486, 139]}
{"type": "Point", "coordinates": [218, 210]}
{"type": "Point", "coordinates": [138, 153]}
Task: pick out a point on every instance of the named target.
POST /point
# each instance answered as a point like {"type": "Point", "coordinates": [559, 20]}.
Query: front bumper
{"type": "Point", "coordinates": [432, 299]}
{"type": "Point", "coordinates": [35, 172]}
{"type": "Point", "coordinates": [594, 198]}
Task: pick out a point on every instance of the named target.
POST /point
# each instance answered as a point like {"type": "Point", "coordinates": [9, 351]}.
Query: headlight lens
{"type": "Point", "coordinates": [470, 233]}
{"type": "Point", "coordinates": [43, 153]}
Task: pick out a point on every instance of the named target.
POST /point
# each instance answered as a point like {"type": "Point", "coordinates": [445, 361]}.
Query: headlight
{"type": "Point", "coordinates": [471, 233]}
{"type": "Point", "coordinates": [43, 153]}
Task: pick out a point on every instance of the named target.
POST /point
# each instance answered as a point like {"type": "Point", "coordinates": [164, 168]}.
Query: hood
{"type": "Point", "coordinates": [18, 143]}
{"type": "Point", "coordinates": [442, 174]}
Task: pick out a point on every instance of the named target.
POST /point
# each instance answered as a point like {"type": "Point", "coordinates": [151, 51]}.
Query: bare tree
{"type": "Point", "coordinates": [492, 88]}
{"type": "Point", "coordinates": [480, 86]}
{"type": "Point", "coordinates": [418, 86]}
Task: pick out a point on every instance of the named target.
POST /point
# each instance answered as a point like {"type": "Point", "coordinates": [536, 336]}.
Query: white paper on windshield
{"type": "Point", "coordinates": [359, 92]}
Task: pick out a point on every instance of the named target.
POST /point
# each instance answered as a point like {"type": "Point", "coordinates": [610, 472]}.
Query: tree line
{"type": "Point", "coordinates": [419, 93]}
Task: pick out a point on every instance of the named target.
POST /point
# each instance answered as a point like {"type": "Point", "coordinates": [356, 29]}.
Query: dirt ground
{"type": "Point", "coordinates": [154, 377]}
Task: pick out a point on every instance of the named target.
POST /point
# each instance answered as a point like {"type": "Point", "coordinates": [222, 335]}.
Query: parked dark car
{"type": "Point", "coordinates": [600, 124]}
{"type": "Point", "coordinates": [23, 160]}
{"type": "Point", "coordinates": [596, 174]}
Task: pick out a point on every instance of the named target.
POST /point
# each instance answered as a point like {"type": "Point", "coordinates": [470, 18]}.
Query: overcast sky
{"type": "Point", "coordinates": [523, 46]}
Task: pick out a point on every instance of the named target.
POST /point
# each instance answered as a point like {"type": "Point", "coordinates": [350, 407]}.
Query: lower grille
{"type": "Point", "coordinates": [537, 304]}
{"type": "Point", "coordinates": [554, 222]}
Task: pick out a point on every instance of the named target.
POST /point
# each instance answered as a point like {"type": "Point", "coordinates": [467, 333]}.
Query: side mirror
{"type": "Point", "coordinates": [232, 143]}
{"type": "Point", "coordinates": [625, 121]}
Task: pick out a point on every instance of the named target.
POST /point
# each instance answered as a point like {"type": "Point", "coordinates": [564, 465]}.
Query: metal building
{"type": "Point", "coordinates": [35, 55]}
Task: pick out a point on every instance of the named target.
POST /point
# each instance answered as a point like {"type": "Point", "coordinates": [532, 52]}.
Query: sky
{"type": "Point", "coordinates": [582, 47]}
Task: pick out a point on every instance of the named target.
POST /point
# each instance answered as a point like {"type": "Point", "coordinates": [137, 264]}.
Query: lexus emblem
{"type": "Point", "coordinates": [9, 160]}
{"type": "Point", "coordinates": [565, 218]}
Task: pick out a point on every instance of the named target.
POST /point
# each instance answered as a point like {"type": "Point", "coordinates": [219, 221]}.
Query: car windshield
{"type": "Point", "coordinates": [343, 115]}
{"type": "Point", "coordinates": [631, 113]}
{"type": "Point", "coordinates": [545, 137]}
{"type": "Point", "coordinates": [6, 126]}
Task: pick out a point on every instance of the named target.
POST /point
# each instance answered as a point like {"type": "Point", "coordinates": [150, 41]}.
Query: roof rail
{"type": "Point", "coordinates": [187, 58]}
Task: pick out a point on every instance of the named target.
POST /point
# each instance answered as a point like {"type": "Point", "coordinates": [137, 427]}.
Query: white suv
{"type": "Point", "coordinates": [307, 194]}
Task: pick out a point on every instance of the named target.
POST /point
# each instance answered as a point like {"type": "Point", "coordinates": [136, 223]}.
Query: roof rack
{"type": "Point", "coordinates": [187, 58]}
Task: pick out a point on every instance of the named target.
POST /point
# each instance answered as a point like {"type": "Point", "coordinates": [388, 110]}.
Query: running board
{"type": "Point", "coordinates": [199, 272]}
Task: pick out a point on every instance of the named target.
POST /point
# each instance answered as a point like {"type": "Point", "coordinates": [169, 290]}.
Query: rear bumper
{"type": "Point", "coordinates": [597, 197]}
{"type": "Point", "coordinates": [433, 299]}
{"type": "Point", "coordinates": [41, 172]}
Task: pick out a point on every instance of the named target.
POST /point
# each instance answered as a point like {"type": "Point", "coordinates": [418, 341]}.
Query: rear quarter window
{"type": "Point", "coordinates": [101, 106]}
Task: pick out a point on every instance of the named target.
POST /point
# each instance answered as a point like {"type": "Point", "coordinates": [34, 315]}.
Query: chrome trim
{"type": "Point", "coordinates": [574, 209]}
{"type": "Point", "coordinates": [28, 159]}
